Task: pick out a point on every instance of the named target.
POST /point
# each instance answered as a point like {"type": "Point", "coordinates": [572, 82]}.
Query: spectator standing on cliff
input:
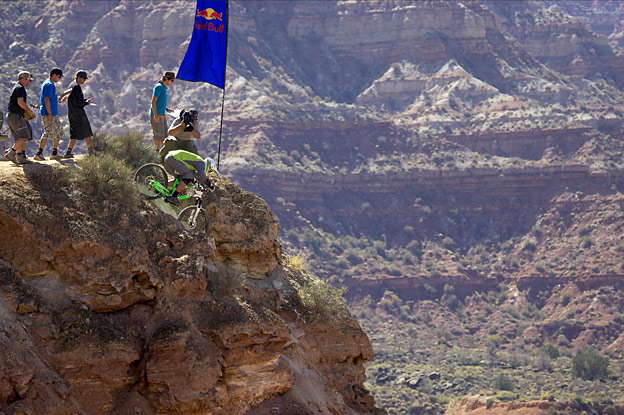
{"type": "Point", "coordinates": [79, 126]}
{"type": "Point", "coordinates": [52, 128]}
{"type": "Point", "coordinates": [181, 133]}
{"type": "Point", "coordinates": [158, 108]}
{"type": "Point", "coordinates": [19, 126]}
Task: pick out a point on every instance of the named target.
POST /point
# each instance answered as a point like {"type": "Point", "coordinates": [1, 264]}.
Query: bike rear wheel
{"type": "Point", "coordinates": [146, 175]}
{"type": "Point", "coordinates": [194, 219]}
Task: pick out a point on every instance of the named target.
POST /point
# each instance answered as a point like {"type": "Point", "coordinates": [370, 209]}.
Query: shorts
{"type": "Point", "coordinates": [52, 130]}
{"type": "Point", "coordinates": [159, 130]}
{"type": "Point", "coordinates": [20, 128]}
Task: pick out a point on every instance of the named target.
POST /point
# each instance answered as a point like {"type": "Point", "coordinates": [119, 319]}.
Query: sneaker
{"type": "Point", "coordinates": [68, 155]}
{"type": "Point", "coordinates": [173, 200]}
{"type": "Point", "coordinates": [11, 155]}
{"type": "Point", "coordinates": [56, 156]}
{"type": "Point", "coordinates": [39, 157]}
{"type": "Point", "coordinates": [22, 159]}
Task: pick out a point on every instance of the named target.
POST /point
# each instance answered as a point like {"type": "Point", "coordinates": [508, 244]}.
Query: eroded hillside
{"type": "Point", "coordinates": [109, 309]}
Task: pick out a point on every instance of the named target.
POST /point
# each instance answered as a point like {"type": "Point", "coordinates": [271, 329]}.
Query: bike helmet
{"type": "Point", "coordinates": [211, 165]}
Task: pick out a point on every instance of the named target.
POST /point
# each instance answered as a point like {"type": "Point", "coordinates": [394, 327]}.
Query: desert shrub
{"type": "Point", "coordinates": [543, 362]}
{"type": "Point", "coordinates": [590, 365]}
{"type": "Point", "coordinates": [516, 360]}
{"type": "Point", "coordinates": [550, 350]}
{"type": "Point", "coordinates": [294, 263]}
{"type": "Point", "coordinates": [505, 396]}
{"type": "Point", "coordinates": [610, 410]}
{"type": "Point", "coordinates": [563, 341]}
{"type": "Point", "coordinates": [503, 382]}
{"type": "Point", "coordinates": [566, 296]}
{"type": "Point", "coordinates": [529, 246]}
{"type": "Point", "coordinates": [391, 303]}
{"type": "Point", "coordinates": [342, 263]}
{"type": "Point", "coordinates": [128, 148]}
{"type": "Point", "coordinates": [584, 230]}
{"type": "Point", "coordinates": [323, 301]}
{"type": "Point", "coordinates": [225, 282]}
{"type": "Point", "coordinates": [110, 177]}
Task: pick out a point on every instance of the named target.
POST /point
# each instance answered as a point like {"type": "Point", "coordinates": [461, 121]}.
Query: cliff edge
{"type": "Point", "coordinates": [110, 310]}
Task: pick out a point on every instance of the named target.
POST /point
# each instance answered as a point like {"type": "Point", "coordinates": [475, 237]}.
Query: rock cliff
{"type": "Point", "coordinates": [113, 311]}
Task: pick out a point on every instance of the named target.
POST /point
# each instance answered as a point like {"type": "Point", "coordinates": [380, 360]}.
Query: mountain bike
{"type": "Point", "coordinates": [152, 180]}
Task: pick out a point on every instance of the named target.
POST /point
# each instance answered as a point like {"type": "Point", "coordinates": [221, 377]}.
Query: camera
{"type": "Point", "coordinates": [187, 119]}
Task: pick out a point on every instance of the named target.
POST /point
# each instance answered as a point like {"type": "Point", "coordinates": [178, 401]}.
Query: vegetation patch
{"type": "Point", "coordinates": [110, 170]}
{"type": "Point", "coordinates": [324, 302]}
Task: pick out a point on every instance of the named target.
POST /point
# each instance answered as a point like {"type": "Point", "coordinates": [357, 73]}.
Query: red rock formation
{"type": "Point", "coordinates": [117, 311]}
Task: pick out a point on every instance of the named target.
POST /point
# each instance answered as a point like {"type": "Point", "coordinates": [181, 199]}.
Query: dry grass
{"type": "Point", "coordinates": [294, 263]}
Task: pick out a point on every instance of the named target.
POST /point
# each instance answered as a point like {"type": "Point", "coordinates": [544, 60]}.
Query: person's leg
{"type": "Point", "coordinates": [20, 146]}
{"type": "Point", "coordinates": [70, 148]}
{"type": "Point", "coordinates": [57, 133]}
{"type": "Point", "coordinates": [17, 128]}
{"type": "Point", "coordinates": [42, 143]}
{"type": "Point", "coordinates": [88, 141]}
{"type": "Point", "coordinates": [47, 132]}
{"type": "Point", "coordinates": [21, 152]}
{"type": "Point", "coordinates": [159, 131]}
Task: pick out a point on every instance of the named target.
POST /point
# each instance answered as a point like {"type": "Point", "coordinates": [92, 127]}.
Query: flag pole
{"type": "Point", "coordinates": [221, 127]}
{"type": "Point", "coordinates": [227, 22]}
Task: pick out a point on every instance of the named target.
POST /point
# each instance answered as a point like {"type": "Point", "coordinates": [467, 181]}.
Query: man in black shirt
{"type": "Point", "coordinates": [19, 126]}
{"type": "Point", "coordinates": [79, 127]}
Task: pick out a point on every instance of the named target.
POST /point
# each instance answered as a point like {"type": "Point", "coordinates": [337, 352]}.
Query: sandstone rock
{"type": "Point", "coordinates": [117, 311]}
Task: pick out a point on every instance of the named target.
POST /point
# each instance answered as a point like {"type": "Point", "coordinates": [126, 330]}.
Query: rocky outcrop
{"type": "Point", "coordinates": [107, 310]}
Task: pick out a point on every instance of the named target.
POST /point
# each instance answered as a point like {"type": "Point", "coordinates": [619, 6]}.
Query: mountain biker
{"type": "Point", "coordinates": [189, 165]}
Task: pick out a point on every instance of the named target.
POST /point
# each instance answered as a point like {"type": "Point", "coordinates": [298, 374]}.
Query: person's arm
{"type": "Point", "coordinates": [154, 99]}
{"type": "Point", "coordinates": [176, 127]}
{"type": "Point", "coordinates": [63, 97]}
{"type": "Point", "coordinates": [46, 101]}
{"type": "Point", "coordinates": [195, 131]}
{"type": "Point", "coordinates": [22, 104]}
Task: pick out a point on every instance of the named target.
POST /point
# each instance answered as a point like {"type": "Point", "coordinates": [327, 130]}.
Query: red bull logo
{"type": "Point", "coordinates": [209, 14]}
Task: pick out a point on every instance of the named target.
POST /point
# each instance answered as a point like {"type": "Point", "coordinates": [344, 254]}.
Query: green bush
{"type": "Point", "coordinates": [503, 382]}
{"type": "Point", "coordinates": [589, 365]}
{"type": "Point", "coordinates": [323, 301]}
{"type": "Point", "coordinates": [128, 148]}
{"type": "Point", "coordinates": [550, 350]}
{"type": "Point", "coordinates": [110, 177]}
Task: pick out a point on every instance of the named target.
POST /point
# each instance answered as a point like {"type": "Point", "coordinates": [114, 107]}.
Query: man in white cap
{"type": "Point", "coordinates": [19, 126]}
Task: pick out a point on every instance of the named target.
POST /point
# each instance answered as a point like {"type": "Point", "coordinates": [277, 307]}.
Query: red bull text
{"type": "Point", "coordinates": [209, 14]}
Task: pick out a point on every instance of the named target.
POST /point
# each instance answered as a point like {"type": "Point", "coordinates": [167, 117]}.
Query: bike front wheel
{"type": "Point", "coordinates": [194, 219]}
{"type": "Point", "coordinates": [147, 177]}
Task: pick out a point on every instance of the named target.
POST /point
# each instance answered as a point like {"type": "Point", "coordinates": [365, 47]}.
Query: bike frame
{"type": "Point", "coordinates": [165, 191]}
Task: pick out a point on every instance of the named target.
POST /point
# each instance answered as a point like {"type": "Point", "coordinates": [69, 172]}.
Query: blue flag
{"type": "Point", "coordinates": [205, 58]}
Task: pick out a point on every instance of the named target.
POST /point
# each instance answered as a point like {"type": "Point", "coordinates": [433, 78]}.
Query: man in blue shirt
{"type": "Point", "coordinates": [52, 128]}
{"type": "Point", "coordinates": [159, 107]}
